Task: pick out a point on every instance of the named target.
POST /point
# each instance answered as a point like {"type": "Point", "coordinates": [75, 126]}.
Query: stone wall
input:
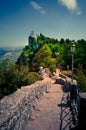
{"type": "Point", "coordinates": [16, 108]}
{"type": "Point", "coordinates": [65, 80]}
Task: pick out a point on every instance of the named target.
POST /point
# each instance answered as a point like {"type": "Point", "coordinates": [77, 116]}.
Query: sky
{"type": "Point", "coordinates": [53, 18]}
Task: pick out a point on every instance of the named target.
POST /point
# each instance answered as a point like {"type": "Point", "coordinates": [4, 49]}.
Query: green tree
{"type": "Point", "coordinates": [43, 58]}
{"type": "Point", "coordinates": [81, 78]}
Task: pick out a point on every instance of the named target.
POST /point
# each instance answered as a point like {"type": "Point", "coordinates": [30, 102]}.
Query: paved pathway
{"type": "Point", "coordinates": [51, 112]}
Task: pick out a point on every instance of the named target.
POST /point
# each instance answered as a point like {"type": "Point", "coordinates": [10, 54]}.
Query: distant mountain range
{"type": "Point", "coordinates": [10, 53]}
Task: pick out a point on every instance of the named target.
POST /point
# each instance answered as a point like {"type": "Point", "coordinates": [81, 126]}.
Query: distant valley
{"type": "Point", "coordinates": [10, 53]}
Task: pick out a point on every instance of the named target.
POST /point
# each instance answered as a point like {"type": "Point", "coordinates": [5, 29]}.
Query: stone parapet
{"type": "Point", "coordinates": [16, 108]}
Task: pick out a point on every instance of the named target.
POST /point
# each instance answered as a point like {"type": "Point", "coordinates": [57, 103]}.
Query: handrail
{"type": "Point", "coordinates": [75, 104]}
{"type": "Point", "coordinates": [73, 99]}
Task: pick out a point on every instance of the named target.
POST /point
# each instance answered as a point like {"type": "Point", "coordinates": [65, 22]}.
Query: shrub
{"type": "Point", "coordinates": [14, 77]}
{"type": "Point", "coordinates": [67, 72]}
{"type": "Point", "coordinates": [81, 79]}
{"type": "Point", "coordinates": [32, 77]}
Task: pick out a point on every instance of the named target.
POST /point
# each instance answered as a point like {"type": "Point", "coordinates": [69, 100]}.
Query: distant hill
{"type": "Point", "coordinates": [10, 53]}
{"type": "Point", "coordinates": [2, 52]}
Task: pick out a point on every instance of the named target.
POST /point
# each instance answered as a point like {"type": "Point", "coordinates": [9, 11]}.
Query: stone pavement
{"type": "Point", "coordinates": [51, 112]}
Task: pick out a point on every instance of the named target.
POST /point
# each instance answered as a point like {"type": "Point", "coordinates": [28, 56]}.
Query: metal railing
{"type": "Point", "coordinates": [73, 100]}
{"type": "Point", "coordinates": [75, 104]}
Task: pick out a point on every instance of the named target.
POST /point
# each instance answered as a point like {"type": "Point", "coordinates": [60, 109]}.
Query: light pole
{"type": "Point", "coordinates": [72, 50]}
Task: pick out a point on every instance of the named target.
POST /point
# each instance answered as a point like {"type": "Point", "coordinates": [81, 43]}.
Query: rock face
{"type": "Point", "coordinates": [16, 108]}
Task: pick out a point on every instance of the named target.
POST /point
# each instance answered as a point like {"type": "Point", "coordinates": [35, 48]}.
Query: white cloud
{"type": "Point", "coordinates": [38, 7]}
{"type": "Point", "coordinates": [72, 5]}
{"type": "Point", "coordinates": [79, 12]}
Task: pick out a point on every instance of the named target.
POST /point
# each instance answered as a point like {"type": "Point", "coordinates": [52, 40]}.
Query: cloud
{"type": "Point", "coordinates": [79, 12]}
{"type": "Point", "coordinates": [38, 7]}
{"type": "Point", "coordinates": [72, 5]}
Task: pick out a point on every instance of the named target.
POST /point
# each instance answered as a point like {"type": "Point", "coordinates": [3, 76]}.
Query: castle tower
{"type": "Point", "coordinates": [31, 38]}
{"type": "Point", "coordinates": [32, 41]}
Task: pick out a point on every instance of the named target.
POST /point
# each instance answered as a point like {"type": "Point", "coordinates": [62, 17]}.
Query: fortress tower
{"type": "Point", "coordinates": [32, 38]}
{"type": "Point", "coordinates": [32, 41]}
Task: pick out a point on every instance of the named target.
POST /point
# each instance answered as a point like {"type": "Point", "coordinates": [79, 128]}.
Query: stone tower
{"type": "Point", "coordinates": [32, 38]}
{"type": "Point", "coordinates": [32, 41]}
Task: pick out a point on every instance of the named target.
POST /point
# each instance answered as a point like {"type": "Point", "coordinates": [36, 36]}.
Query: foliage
{"type": "Point", "coordinates": [32, 77]}
{"type": "Point", "coordinates": [43, 58]}
{"type": "Point", "coordinates": [8, 80]}
{"type": "Point", "coordinates": [46, 52]}
{"type": "Point", "coordinates": [51, 52]}
{"type": "Point", "coordinates": [81, 79]}
{"type": "Point", "coordinates": [67, 72]}
{"type": "Point", "coordinates": [80, 54]}
{"type": "Point", "coordinates": [13, 77]}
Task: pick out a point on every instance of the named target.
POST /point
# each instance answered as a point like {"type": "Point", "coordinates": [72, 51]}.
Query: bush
{"type": "Point", "coordinates": [67, 72]}
{"type": "Point", "coordinates": [8, 80]}
{"type": "Point", "coordinates": [14, 77]}
{"type": "Point", "coordinates": [81, 79]}
{"type": "Point", "coordinates": [32, 77]}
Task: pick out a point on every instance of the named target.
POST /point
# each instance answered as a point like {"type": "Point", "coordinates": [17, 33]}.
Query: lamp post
{"type": "Point", "coordinates": [72, 50]}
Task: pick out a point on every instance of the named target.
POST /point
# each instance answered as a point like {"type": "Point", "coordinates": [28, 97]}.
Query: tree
{"type": "Point", "coordinates": [67, 41]}
{"type": "Point", "coordinates": [62, 41]}
{"type": "Point", "coordinates": [43, 58]}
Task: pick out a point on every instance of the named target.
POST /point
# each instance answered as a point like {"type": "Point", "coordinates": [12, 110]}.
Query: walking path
{"type": "Point", "coordinates": [51, 112]}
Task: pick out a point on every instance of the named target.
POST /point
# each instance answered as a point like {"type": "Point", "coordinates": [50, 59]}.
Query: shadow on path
{"type": "Point", "coordinates": [66, 122]}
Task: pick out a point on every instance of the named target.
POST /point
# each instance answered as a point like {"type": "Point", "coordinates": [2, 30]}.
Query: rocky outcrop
{"type": "Point", "coordinates": [16, 108]}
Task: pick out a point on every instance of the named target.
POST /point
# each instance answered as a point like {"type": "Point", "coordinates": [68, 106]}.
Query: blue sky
{"type": "Point", "coordinates": [53, 18]}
